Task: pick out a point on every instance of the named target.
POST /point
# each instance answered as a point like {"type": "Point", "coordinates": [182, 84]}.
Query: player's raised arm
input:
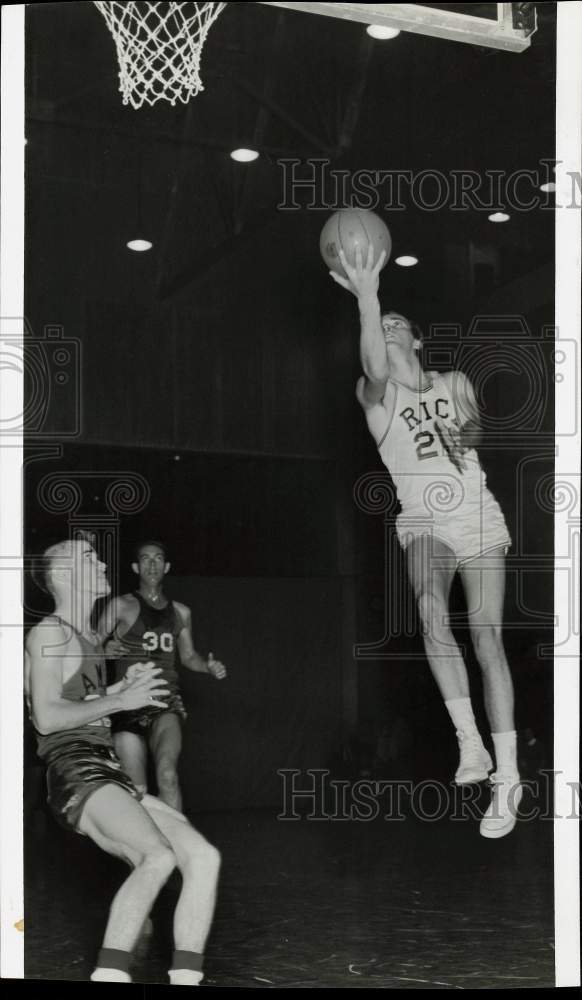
{"type": "Point", "coordinates": [363, 282]}
{"type": "Point", "coordinates": [189, 658]}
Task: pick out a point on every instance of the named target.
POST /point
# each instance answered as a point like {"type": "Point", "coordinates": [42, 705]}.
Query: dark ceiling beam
{"type": "Point", "coordinates": [76, 95]}
{"type": "Point", "coordinates": [241, 195]}
{"type": "Point", "coordinates": [354, 102]}
{"type": "Point", "coordinates": [173, 199]}
{"type": "Point", "coordinates": [164, 138]}
{"type": "Point", "coordinates": [211, 256]}
{"type": "Point", "coordinates": [314, 141]}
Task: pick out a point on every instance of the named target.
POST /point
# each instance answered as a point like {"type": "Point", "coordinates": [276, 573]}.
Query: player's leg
{"type": "Point", "coordinates": [484, 583]}
{"type": "Point", "coordinates": [199, 863]}
{"type": "Point", "coordinates": [132, 752]}
{"type": "Point", "coordinates": [431, 568]}
{"type": "Point", "coordinates": [165, 745]}
{"type": "Point", "coordinates": [118, 824]}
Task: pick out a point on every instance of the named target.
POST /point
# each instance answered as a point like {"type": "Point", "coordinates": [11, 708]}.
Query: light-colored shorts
{"type": "Point", "coordinates": [473, 529]}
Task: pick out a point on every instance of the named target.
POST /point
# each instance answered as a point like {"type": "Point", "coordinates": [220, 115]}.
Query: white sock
{"type": "Point", "coordinates": [461, 712]}
{"type": "Point", "coordinates": [110, 976]}
{"type": "Point", "coordinates": [505, 751]}
{"type": "Point", "coordinates": [185, 977]}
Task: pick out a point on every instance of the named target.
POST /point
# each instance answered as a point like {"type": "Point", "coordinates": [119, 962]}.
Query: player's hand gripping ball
{"type": "Point", "coordinates": [350, 229]}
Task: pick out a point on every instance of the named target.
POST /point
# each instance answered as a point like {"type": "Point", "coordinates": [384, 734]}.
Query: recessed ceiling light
{"type": "Point", "coordinates": [382, 32]}
{"type": "Point", "coordinates": [498, 217]}
{"type": "Point", "coordinates": [139, 245]}
{"type": "Point", "coordinates": [548, 186]}
{"type": "Point", "coordinates": [406, 260]}
{"type": "Point", "coordinates": [244, 155]}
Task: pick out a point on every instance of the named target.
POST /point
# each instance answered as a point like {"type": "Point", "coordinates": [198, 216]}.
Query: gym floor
{"type": "Point", "coordinates": [382, 905]}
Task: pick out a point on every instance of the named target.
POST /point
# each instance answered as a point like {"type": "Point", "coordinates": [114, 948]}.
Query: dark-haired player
{"type": "Point", "coordinates": [71, 707]}
{"type": "Point", "coordinates": [145, 624]}
{"type": "Point", "coordinates": [426, 427]}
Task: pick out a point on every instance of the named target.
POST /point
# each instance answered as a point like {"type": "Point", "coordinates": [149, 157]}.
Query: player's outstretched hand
{"type": "Point", "coordinates": [216, 668]}
{"type": "Point", "coordinates": [143, 688]}
{"type": "Point", "coordinates": [362, 280]}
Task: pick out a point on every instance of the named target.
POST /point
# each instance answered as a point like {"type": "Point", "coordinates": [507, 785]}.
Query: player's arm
{"type": "Point", "coordinates": [51, 713]}
{"type": "Point", "coordinates": [467, 410]}
{"type": "Point", "coordinates": [363, 282]}
{"type": "Point", "coordinates": [373, 390]}
{"type": "Point", "coordinates": [189, 658]}
{"type": "Point", "coordinates": [107, 626]}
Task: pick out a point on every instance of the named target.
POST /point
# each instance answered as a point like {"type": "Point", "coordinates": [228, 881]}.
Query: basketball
{"type": "Point", "coordinates": [349, 229]}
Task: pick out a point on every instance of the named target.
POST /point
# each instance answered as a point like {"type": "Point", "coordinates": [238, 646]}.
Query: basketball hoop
{"type": "Point", "coordinates": [159, 46]}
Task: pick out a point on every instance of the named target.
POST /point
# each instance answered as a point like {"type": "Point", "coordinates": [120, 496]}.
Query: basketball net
{"type": "Point", "coordinates": [159, 46]}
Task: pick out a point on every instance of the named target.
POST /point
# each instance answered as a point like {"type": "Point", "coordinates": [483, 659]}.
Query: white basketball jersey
{"type": "Point", "coordinates": [416, 449]}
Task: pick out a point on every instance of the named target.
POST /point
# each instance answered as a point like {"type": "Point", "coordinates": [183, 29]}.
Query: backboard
{"type": "Point", "coordinates": [494, 25]}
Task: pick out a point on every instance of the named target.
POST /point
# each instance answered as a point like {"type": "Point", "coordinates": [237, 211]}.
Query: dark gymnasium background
{"type": "Point", "coordinates": [220, 367]}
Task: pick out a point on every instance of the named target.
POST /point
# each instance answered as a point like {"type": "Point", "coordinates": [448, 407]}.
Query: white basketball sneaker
{"type": "Point", "coordinates": [501, 815]}
{"type": "Point", "coordinates": [475, 762]}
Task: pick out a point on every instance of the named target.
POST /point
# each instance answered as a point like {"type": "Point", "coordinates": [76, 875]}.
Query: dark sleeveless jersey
{"type": "Point", "coordinates": [152, 638]}
{"type": "Point", "coordinates": [87, 683]}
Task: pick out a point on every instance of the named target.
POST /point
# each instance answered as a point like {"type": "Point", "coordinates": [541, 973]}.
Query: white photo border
{"type": "Point", "coordinates": [566, 664]}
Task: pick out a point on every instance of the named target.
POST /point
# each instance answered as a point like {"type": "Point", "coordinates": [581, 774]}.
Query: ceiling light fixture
{"type": "Point", "coordinates": [244, 155]}
{"type": "Point", "coordinates": [382, 32]}
{"type": "Point", "coordinates": [406, 260]}
{"type": "Point", "coordinates": [139, 245]}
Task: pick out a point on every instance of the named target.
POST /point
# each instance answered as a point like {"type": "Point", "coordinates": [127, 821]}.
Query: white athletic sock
{"type": "Point", "coordinates": [461, 712]}
{"type": "Point", "coordinates": [110, 976]}
{"type": "Point", "coordinates": [185, 977]}
{"type": "Point", "coordinates": [505, 752]}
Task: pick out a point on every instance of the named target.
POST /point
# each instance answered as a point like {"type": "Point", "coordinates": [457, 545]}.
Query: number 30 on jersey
{"type": "Point", "coordinates": [153, 641]}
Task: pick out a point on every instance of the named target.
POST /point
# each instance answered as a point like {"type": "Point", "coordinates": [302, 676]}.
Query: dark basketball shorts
{"type": "Point", "coordinates": [77, 771]}
{"type": "Point", "coordinates": [141, 721]}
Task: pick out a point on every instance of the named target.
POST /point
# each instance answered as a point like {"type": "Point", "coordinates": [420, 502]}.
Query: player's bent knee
{"type": "Point", "coordinates": [203, 856]}
{"type": "Point", "coordinates": [160, 860]}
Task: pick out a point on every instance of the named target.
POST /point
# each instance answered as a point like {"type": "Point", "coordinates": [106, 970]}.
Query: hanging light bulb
{"type": "Point", "coordinates": [243, 155]}
{"type": "Point", "coordinates": [139, 245]}
{"type": "Point", "coordinates": [382, 32]}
